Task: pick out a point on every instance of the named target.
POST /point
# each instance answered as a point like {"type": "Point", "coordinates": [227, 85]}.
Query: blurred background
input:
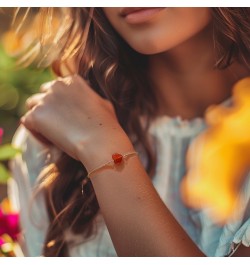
{"type": "Point", "coordinates": [16, 83]}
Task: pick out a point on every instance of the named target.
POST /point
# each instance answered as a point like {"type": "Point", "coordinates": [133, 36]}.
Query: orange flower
{"type": "Point", "coordinates": [30, 33]}
{"type": "Point", "coordinates": [218, 160]}
{"type": "Point", "coordinates": [14, 44]}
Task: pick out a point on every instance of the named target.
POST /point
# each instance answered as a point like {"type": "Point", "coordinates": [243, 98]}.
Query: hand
{"type": "Point", "coordinates": [69, 114]}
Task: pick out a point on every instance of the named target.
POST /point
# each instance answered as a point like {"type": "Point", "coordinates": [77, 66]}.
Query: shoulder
{"type": "Point", "coordinates": [25, 169]}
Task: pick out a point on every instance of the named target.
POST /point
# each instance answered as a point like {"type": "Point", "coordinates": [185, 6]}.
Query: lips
{"type": "Point", "coordinates": [138, 15]}
{"type": "Point", "coordinates": [129, 10]}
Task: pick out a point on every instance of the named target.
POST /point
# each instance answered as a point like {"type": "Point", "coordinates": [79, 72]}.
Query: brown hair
{"type": "Point", "coordinates": [116, 72]}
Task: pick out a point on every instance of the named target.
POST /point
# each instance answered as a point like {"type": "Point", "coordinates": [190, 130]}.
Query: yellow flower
{"type": "Point", "coordinates": [219, 159]}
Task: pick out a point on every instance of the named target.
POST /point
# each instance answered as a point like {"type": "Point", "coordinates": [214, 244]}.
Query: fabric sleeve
{"type": "Point", "coordinates": [25, 169]}
{"type": "Point", "coordinates": [243, 235]}
{"type": "Point", "coordinates": [237, 231]}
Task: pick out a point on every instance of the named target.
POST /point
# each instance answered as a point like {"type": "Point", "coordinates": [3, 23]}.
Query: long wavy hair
{"type": "Point", "coordinates": [116, 72]}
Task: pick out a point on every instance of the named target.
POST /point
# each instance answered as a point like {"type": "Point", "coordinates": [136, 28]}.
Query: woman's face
{"type": "Point", "coordinates": [155, 30]}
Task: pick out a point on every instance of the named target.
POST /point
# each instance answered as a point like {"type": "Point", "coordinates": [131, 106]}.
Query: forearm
{"type": "Point", "coordinates": [138, 221]}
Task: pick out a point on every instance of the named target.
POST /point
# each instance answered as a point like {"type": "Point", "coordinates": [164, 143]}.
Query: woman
{"type": "Point", "coordinates": [145, 78]}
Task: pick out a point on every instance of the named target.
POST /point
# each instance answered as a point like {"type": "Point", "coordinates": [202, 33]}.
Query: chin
{"type": "Point", "coordinates": [153, 42]}
{"type": "Point", "coordinates": [149, 48]}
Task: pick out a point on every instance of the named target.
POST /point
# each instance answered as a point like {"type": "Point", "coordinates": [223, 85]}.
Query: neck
{"type": "Point", "coordinates": [185, 79]}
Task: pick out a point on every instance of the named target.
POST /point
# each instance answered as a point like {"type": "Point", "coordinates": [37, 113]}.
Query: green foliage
{"type": "Point", "coordinates": [16, 85]}
{"type": "Point", "coordinates": [4, 174]}
{"type": "Point", "coordinates": [7, 152]}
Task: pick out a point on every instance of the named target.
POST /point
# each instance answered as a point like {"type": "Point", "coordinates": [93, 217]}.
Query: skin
{"type": "Point", "coordinates": [180, 55]}
{"type": "Point", "coordinates": [161, 33]}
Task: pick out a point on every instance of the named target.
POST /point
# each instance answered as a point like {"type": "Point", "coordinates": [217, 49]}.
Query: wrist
{"type": "Point", "coordinates": [97, 151]}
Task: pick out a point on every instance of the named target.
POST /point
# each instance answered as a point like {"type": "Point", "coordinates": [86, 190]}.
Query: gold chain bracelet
{"type": "Point", "coordinates": [117, 159]}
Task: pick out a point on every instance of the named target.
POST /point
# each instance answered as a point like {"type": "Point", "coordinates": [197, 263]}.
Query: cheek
{"type": "Point", "coordinates": [171, 28]}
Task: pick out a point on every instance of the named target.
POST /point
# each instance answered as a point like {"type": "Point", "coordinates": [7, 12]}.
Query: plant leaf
{"type": "Point", "coordinates": [4, 174]}
{"type": "Point", "coordinates": [7, 151]}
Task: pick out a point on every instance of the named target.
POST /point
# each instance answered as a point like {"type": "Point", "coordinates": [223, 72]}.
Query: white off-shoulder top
{"type": "Point", "coordinates": [171, 137]}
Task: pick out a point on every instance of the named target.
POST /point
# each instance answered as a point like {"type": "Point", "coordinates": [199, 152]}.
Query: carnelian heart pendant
{"type": "Point", "coordinates": [117, 158]}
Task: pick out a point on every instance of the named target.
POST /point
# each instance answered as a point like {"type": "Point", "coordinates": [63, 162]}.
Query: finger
{"type": "Point", "coordinates": [27, 121]}
{"type": "Point", "coordinates": [47, 86]}
{"type": "Point", "coordinates": [34, 100]}
{"type": "Point", "coordinates": [41, 138]}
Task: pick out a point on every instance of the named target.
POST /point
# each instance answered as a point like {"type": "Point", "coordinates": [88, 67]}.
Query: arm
{"type": "Point", "coordinates": [242, 251]}
{"type": "Point", "coordinates": [138, 221]}
{"type": "Point", "coordinates": [86, 128]}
